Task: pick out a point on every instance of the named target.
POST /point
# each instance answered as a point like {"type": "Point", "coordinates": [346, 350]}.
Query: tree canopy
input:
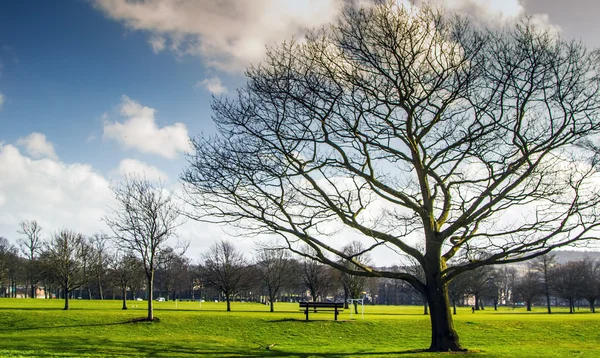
{"type": "Point", "coordinates": [412, 128]}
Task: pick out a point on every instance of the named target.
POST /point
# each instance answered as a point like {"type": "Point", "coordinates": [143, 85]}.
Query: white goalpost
{"type": "Point", "coordinates": [357, 300]}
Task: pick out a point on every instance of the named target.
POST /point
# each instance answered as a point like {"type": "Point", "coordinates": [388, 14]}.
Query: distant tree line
{"type": "Point", "coordinates": [69, 265]}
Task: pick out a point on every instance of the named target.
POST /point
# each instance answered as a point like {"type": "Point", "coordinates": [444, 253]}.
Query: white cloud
{"type": "Point", "coordinates": [227, 34]}
{"type": "Point", "coordinates": [212, 85]}
{"type": "Point", "coordinates": [139, 131]}
{"type": "Point", "coordinates": [158, 43]}
{"type": "Point", "coordinates": [137, 168]}
{"type": "Point", "coordinates": [231, 34]}
{"type": "Point", "coordinates": [57, 194]}
{"type": "Point", "coordinates": [74, 196]}
{"type": "Point", "coordinates": [491, 12]}
{"type": "Point", "coordinates": [490, 9]}
{"type": "Point", "coordinates": [1, 100]}
{"type": "Point", "coordinates": [37, 146]}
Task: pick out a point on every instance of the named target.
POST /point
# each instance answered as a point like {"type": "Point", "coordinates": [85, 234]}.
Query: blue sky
{"type": "Point", "coordinates": [65, 65]}
{"type": "Point", "coordinates": [92, 88]}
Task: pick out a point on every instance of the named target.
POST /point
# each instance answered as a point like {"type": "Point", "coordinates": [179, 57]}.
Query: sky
{"type": "Point", "coordinates": [93, 89]}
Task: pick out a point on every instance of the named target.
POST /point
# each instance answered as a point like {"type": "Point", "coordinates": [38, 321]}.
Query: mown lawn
{"type": "Point", "coordinates": [35, 328]}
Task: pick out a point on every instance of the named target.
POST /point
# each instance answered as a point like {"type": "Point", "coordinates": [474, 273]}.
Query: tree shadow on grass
{"type": "Point", "coordinates": [123, 347]}
{"type": "Point", "coordinates": [558, 313]}
{"type": "Point", "coordinates": [129, 321]}
{"type": "Point", "coordinates": [304, 321]}
{"type": "Point", "coordinates": [345, 354]}
{"type": "Point", "coordinates": [32, 309]}
{"type": "Point", "coordinates": [160, 349]}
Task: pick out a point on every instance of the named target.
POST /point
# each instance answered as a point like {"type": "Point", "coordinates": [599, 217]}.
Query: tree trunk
{"type": "Point", "coordinates": [355, 307]}
{"type": "Point", "coordinates": [150, 295]}
{"type": "Point", "coordinates": [425, 308]}
{"type": "Point", "coordinates": [528, 306]}
{"type": "Point", "coordinates": [454, 308]}
{"type": "Point", "coordinates": [100, 289]}
{"type": "Point", "coordinates": [443, 336]}
{"type": "Point", "coordinates": [33, 295]}
{"type": "Point", "coordinates": [66, 300]}
{"type": "Point", "coordinates": [548, 302]}
{"type": "Point", "coordinates": [571, 306]}
{"type": "Point", "coordinates": [271, 302]}
{"type": "Point", "coordinates": [228, 303]}
{"type": "Point", "coordinates": [346, 298]}
{"type": "Point", "coordinates": [124, 289]}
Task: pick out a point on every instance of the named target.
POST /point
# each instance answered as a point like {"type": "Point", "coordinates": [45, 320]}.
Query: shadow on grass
{"type": "Point", "coordinates": [559, 313]}
{"type": "Point", "coordinates": [129, 321]}
{"type": "Point", "coordinates": [304, 321]}
{"type": "Point", "coordinates": [345, 354]}
{"type": "Point", "coordinates": [155, 349]}
{"type": "Point", "coordinates": [31, 309]}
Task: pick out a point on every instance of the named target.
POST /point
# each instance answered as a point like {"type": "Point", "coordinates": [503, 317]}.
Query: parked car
{"type": "Point", "coordinates": [160, 299]}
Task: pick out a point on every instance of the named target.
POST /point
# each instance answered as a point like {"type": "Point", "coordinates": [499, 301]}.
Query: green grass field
{"type": "Point", "coordinates": [36, 328]}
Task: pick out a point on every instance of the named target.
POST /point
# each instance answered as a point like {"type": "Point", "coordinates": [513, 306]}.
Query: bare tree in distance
{"type": "Point", "coordinates": [590, 288]}
{"type": "Point", "coordinates": [529, 287]}
{"type": "Point", "coordinates": [457, 291]}
{"type": "Point", "coordinates": [273, 267]}
{"type": "Point", "coordinates": [125, 268]}
{"type": "Point", "coordinates": [316, 276]}
{"type": "Point", "coordinates": [63, 253]}
{"type": "Point", "coordinates": [8, 258]}
{"type": "Point", "coordinates": [31, 246]}
{"type": "Point", "coordinates": [507, 278]}
{"type": "Point", "coordinates": [173, 273]}
{"type": "Point", "coordinates": [145, 218]}
{"type": "Point", "coordinates": [478, 283]}
{"type": "Point", "coordinates": [543, 264]}
{"type": "Point", "coordinates": [224, 267]}
{"type": "Point", "coordinates": [100, 260]}
{"type": "Point", "coordinates": [394, 121]}
{"type": "Point", "coordinates": [354, 284]}
{"type": "Point", "coordinates": [566, 281]}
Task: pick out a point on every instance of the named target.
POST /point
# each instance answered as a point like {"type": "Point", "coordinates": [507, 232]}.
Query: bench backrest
{"type": "Point", "coordinates": [321, 304]}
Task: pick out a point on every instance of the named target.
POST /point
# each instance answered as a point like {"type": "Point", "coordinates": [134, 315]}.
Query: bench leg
{"type": "Point", "coordinates": [336, 314]}
{"type": "Point", "coordinates": [306, 313]}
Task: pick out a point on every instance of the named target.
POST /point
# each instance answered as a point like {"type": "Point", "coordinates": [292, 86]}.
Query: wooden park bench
{"type": "Point", "coordinates": [336, 307]}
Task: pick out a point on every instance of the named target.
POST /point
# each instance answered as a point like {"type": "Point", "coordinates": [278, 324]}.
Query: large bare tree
{"type": "Point", "coordinates": [31, 246]}
{"type": "Point", "coordinates": [145, 218]}
{"type": "Point", "coordinates": [409, 127]}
